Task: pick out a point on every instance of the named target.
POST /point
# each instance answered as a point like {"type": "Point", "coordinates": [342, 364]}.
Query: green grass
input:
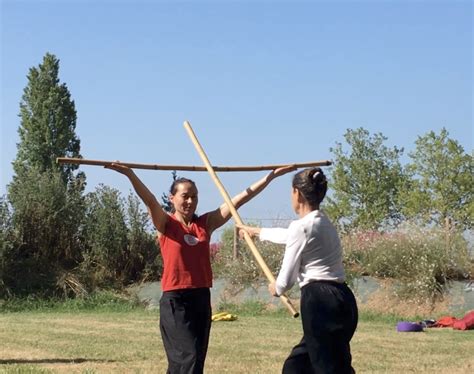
{"type": "Point", "coordinates": [106, 301]}
{"type": "Point", "coordinates": [128, 341]}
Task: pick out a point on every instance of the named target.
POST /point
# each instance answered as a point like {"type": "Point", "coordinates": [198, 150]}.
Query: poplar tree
{"type": "Point", "coordinates": [46, 198]}
{"type": "Point", "coordinates": [48, 122]}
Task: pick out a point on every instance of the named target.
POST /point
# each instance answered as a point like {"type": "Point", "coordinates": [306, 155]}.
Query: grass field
{"type": "Point", "coordinates": [129, 342]}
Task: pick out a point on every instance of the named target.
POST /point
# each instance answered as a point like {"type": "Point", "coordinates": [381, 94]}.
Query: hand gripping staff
{"type": "Point", "coordinates": [236, 216]}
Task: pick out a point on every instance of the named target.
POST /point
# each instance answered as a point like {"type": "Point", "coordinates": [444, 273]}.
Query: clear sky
{"type": "Point", "coordinates": [261, 82]}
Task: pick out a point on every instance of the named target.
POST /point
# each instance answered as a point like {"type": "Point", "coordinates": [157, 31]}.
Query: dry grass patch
{"type": "Point", "coordinates": [129, 342]}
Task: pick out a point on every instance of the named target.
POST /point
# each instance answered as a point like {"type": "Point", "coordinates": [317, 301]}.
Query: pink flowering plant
{"type": "Point", "coordinates": [421, 260]}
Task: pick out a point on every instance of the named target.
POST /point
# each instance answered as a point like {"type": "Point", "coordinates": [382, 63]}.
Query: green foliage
{"type": "Point", "coordinates": [366, 180]}
{"type": "Point", "coordinates": [47, 215]}
{"type": "Point", "coordinates": [143, 260]}
{"type": "Point", "coordinates": [244, 270]}
{"type": "Point", "coordinates": [120, 248]}
{"type": "Point", "coordinates": [106, 301]}
{"type": "Point", "coordinates": [46, 199]}
{"type": "Point", "coordinates": [106, 235]}
{"type": "Point", "coordinates": [165, 200]}
{"type": "Point", "coordinates": [7, 242]}
{"type": "Point", "coordinates": [422, 261]}
{"type": "Point", "coordinates": [54, 240]}
{"type": "Point", "coordinates": [48, 122]}
{"type": "Point", "coordinates": [442, 182]}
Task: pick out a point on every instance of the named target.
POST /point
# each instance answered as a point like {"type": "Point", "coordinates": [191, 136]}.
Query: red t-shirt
{"type": "Point", "coordinates": [186, 255]}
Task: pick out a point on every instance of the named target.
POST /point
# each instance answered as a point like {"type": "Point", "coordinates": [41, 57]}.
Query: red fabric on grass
{"type": "Point", "coordinates": [466, 323]}
{"type": "Point", "coordinates": [446, 321]}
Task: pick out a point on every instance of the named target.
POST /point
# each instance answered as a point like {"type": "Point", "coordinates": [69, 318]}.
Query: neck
{"type": "Point", "coordinates": [304, 209]}
{"type": "Point", "coordinates": [183, 219]}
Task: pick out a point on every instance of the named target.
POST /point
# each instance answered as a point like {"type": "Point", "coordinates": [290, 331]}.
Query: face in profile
{"type": "Point", "coordinates": [294, 199]}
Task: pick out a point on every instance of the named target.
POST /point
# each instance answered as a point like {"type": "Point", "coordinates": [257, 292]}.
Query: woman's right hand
{"type": "Point", "coordinates": [251, 230]}
{"type": "Point", "coordinates": [282, 171]}
{"type": "Point", "coordinates": [117, 166]}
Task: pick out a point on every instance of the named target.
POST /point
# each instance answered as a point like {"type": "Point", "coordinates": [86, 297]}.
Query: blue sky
{"type": "Point", "coordinates": [265, 82]}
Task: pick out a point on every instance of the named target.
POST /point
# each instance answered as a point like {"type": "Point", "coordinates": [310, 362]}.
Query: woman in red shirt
{"type": "Point", "coordinates": [185, 305]}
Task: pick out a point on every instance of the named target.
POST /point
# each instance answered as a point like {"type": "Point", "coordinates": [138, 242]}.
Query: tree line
{"type": "Point", "coordinates": [55, 239]}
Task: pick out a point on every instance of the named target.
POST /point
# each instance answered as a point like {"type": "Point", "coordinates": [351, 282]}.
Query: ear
{"type": "Point", "coordinates": [300, 197]}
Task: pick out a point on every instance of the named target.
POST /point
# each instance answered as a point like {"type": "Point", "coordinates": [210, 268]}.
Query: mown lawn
{"type": "Point", "coordinates": [129, 342]}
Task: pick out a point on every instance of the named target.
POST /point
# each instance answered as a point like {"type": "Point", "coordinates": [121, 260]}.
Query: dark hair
{"type": "Point", "coordinates": [312, 184]}
{"type": "Point", "coordinates": [177, 181]}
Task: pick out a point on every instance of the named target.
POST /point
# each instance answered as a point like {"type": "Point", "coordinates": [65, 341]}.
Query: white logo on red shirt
{"type": "Point", "coordinates": [191, 240]}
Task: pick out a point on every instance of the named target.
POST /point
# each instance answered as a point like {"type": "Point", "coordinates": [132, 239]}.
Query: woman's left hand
{"type": "Point", "coordinates": [272, 289]}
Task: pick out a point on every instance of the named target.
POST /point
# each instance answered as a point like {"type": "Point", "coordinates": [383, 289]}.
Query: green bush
{"type": "Point", "coordinates": [422, 261]}
{"type": "Point", "coordinates": [120, 247]}
{"type": "Point", "coordinates": [42, 232]}
{"type": "Point", "coordinates": [244, 271]}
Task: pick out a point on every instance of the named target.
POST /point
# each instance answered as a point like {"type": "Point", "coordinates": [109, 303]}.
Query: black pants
{"type": "Point", "coordinates": [329, 316]}
{"type": "Point", "coordinates": [185, 324]}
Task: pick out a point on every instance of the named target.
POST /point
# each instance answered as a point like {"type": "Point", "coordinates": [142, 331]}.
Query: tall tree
{"type": "Point", "coordinates": [46, 199]}
{"type": "Point", "coordinates": [366, 179]}
{"type": "Point", "coordinates": [48, 122]}
{"type": "Point", "coordinates": [442, 181]}
{"type": "Point", "coordinates": [6, 243]}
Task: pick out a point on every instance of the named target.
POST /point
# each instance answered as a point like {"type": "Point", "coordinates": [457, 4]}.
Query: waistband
{"type": "Point", "coordinates": [325, 281]}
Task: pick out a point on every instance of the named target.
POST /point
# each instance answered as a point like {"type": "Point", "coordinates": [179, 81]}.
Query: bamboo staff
{"type": "Point", "coordinates": [70, 160]}
{"type": "Point", "coordinates": [236, 217]}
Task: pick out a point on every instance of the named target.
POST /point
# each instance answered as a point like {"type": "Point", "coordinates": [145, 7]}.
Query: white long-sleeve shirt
{"type": "Point", "coordinates": [313, 251]}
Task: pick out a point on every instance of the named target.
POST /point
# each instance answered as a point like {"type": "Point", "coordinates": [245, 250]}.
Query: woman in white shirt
{"type": "Point", "coordinates": [313, 258]}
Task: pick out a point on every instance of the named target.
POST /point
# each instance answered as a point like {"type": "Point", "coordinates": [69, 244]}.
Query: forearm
{"type": "Point", "coordinates": [142, 191]}
{"type": "Point", "coordinates": [252, 191]}
{"type": "Point", "coordinates": [275, 235]}
{"type": "Point", "coordinates": [288, 273]}
{"type": "Point", "coordinates": [221, 215]}
{"type": "Point", "coordinates": [290, 267]}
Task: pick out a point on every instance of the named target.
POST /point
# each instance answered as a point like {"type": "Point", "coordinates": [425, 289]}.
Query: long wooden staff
{"type": "Point", "coordinates": [83, 161]}
{"type": "Point", "coordinates": [236, 217]}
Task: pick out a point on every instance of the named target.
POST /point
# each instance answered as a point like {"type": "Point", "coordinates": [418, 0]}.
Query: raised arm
{"type": "Point", "coordinates": [220, 216]}
{"type": "Point", "coordinates": [158, 216]}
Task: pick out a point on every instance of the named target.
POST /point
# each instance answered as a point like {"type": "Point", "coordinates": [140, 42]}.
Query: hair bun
{"type": "Point", "coordinates": [318, 176]}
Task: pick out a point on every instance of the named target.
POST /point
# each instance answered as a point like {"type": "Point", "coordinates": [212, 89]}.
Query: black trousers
{"type": "Point", "coordinates": [185, 324]}
{"type": "Point", "coordinates": [329, 316]}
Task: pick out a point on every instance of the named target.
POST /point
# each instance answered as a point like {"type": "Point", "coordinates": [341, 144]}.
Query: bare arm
{"type": "Point", "coordinates": [277, 235]}
{"type": "Point", "coordinates": [157, 214]}
{"type": "Point", "coordinates": [251, 230]}
{"type": "Point", "coordinates": [220, 216]}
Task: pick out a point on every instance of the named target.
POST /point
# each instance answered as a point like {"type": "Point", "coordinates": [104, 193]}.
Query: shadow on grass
{"type": "Point", "coordinates": [51, 361]}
